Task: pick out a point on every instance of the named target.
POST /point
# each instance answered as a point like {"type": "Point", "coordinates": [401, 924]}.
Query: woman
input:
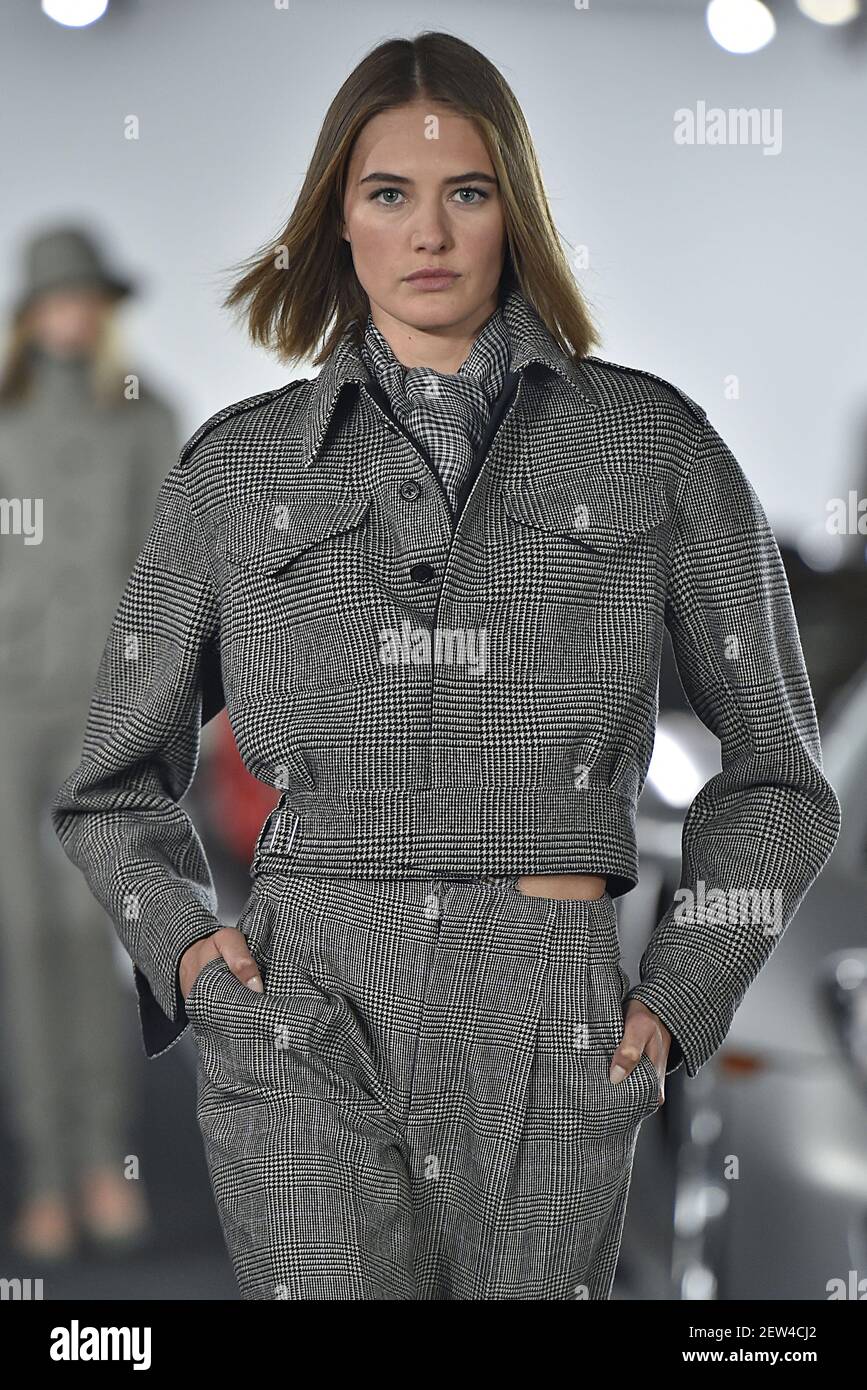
{"type": "Point", "coordinates": [437, 577]}
{"type": "Point", "coordinates": [81, 460]}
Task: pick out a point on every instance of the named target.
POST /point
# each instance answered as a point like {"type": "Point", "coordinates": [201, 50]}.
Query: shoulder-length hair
{"type": "Point", "coordinates": [302, 288]}
{"type": "Point", "coordinates": [105, 379]}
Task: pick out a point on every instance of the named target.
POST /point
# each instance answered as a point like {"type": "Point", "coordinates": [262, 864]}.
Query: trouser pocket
{"type": "Point", "coordinates": [583, 1017]}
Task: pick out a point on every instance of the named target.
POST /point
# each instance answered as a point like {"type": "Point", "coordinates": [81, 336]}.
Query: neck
{"type": "Point", "coordinates": [57, 378]}
{"type": "Point", "coordinates": [442, 349]}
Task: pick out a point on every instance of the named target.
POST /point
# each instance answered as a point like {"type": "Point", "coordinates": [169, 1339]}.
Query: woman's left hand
{"type": "Point", "coordinates": [643, 1031]}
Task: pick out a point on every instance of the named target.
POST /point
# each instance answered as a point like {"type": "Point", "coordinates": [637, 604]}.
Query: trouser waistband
{"type": "Point", "coordinates": [481, 878]}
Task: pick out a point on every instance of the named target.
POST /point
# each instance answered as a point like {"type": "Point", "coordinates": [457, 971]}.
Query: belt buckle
{"type": "Point", "coordinates": [259, 848]}
{"type": "Point", "coordinates": [262, 847]}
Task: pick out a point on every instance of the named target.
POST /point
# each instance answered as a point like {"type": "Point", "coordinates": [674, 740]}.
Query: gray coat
{"type": "Point", "coordinates": [439, 695]}
{"type": "Point", "coordinates": [96, 474]}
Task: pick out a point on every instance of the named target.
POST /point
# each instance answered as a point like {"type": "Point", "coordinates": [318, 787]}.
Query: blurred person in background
{"type": "Point", "coordinates": [83, 450]}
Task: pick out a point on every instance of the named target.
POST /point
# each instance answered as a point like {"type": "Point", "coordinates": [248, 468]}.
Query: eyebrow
{"type": "Point", "coordinates": [454, 178]}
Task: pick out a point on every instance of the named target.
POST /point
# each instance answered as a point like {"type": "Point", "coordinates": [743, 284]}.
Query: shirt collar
{"type": "Point", "coordinates": [529, 338]}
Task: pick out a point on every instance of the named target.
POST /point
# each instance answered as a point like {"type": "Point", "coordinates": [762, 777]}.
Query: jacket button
{"type": "Point", "coordinates": [422, 574]}
{"type": "Point", "coordinates": [410, 489]}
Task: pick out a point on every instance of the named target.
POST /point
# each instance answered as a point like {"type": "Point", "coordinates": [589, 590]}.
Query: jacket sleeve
{"type": "Point", "coordinates": [117, 814]}
{"type": "Point", "coordinates": [758, 833]}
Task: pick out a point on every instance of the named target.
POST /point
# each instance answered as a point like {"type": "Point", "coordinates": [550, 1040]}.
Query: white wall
{"type": "Point", "coordinates": [705, 260]}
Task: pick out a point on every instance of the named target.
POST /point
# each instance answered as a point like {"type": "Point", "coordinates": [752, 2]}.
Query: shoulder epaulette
{"type": "Point", "coordinates": [236, 408]}
{"type": "Point", "coordinates": [692, 406]}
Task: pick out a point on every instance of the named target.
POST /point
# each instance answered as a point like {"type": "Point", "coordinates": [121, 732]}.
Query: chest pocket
{"type": "Point", "coordinates": [296, 610]}
{"type": "Point", "coordinates": [603, 511]}
{"type": "Point", "coordinates": [267, 536]}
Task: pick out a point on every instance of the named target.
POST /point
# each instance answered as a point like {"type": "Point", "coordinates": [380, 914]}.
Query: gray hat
{"type": "Point", "coordinates": [64, 258]}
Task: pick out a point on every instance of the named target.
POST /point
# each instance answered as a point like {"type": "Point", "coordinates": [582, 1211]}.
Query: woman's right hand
{"type": "Point", "coordinates": [229, 943]}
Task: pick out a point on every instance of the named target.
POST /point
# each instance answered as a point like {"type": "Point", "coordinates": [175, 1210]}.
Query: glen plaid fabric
{"type": "Point", "coordinates": [459, 1092]}
{"type": "Point", "coordinates": [446, 412]}
{"type": "Point", "coordinates": [436, 698]}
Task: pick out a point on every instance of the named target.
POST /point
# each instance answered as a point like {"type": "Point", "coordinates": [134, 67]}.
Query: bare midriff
{"type": "Point", "coordinates": [562, 885]}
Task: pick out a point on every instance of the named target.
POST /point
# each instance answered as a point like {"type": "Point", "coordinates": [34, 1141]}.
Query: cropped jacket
{"type": "Point", "coordinates": [440, 691]}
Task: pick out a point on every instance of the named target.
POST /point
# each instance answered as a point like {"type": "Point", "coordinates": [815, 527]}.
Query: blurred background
{"type": "Point", "coordinates": [705, 165]}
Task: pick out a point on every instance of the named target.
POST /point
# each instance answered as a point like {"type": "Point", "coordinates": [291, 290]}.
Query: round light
{"type": "Point", "coordinates": [822, 550]}
{"type": "Point", "coordinates": [830, 11]}
{"type": "Point", "coordinates": [740, 26]}
{"type": "Point", "coordinates": [851, 973]}
{"type": "Point", "coordinates": [74, 14]}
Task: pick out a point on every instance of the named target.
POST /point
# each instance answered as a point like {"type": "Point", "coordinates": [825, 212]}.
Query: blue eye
{"type": "Point", "coordinates": [480, 192]}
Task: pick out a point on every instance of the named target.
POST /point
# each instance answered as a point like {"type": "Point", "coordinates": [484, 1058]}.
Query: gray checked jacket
{"type": "Point", "coordinates": [440, 691]}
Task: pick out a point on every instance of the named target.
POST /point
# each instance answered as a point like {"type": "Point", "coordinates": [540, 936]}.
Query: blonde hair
{"type": "Point", "coordinates": [107, 368]}
{"type": "Point", "coordinates": [302, 288]}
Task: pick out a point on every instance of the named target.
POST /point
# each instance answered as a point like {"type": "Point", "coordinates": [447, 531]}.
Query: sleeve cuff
{"type": "Point", "coordinates": [159, 1032]}
{"type": "Point", "coordinates": [697, 1025]}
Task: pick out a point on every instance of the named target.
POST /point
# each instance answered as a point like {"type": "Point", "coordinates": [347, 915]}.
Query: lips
{"type": "Point", "coordinates": [433, 275]}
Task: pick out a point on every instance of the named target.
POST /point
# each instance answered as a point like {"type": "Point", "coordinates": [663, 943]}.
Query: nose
{"type": "Point", "coordinates": [431, 229]}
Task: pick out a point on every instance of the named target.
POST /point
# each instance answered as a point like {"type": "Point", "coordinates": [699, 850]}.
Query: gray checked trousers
{"type": "Point", "coordinates": [418, 1105]}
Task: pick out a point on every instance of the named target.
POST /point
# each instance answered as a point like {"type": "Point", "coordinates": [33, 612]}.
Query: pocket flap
{"type": "Point", "coordinates": [600, 510]}
{"type": "Point", "coordinates": [267, 535]}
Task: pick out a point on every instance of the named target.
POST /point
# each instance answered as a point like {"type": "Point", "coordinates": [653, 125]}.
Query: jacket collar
{"type": "Point", "coordinates": [530, 342]}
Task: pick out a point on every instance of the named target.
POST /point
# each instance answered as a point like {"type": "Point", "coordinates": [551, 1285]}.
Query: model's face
{"type": "Point", "coordinates": [67, 323]}
{"type": "Point", "coordinates": [421, 191]}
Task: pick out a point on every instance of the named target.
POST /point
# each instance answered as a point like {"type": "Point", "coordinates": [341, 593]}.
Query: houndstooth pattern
{"type": "Point", "coordinates": [446, 412]}
{"type": "Point", "coordinates": [438, 697]}
{"type": "Point", "coordinates": [418, 1105]}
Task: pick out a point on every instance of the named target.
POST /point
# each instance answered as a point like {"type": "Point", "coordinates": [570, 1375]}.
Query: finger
{"type": "Point", "coordinates": [242, 965]}
{"type": "Point", "coordinates": [624, 1059]}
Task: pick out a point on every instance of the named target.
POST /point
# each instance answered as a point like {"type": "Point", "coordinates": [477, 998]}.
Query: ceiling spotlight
{"type": "Point", "coordinates": [74, 14]}
{"type": "Point", "coordinates": [830, 11]}
{"type": "Point", "coordinates": [740, 26]}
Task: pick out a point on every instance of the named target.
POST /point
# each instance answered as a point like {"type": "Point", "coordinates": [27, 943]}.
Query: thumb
{"type": "Point", "coordinates": [624, 1058]}
{"type": "Point", "coordinates": [236, 954]}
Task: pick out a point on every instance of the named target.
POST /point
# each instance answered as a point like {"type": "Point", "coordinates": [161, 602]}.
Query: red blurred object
{"type": "Point", "coordinates": [239, 801]}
